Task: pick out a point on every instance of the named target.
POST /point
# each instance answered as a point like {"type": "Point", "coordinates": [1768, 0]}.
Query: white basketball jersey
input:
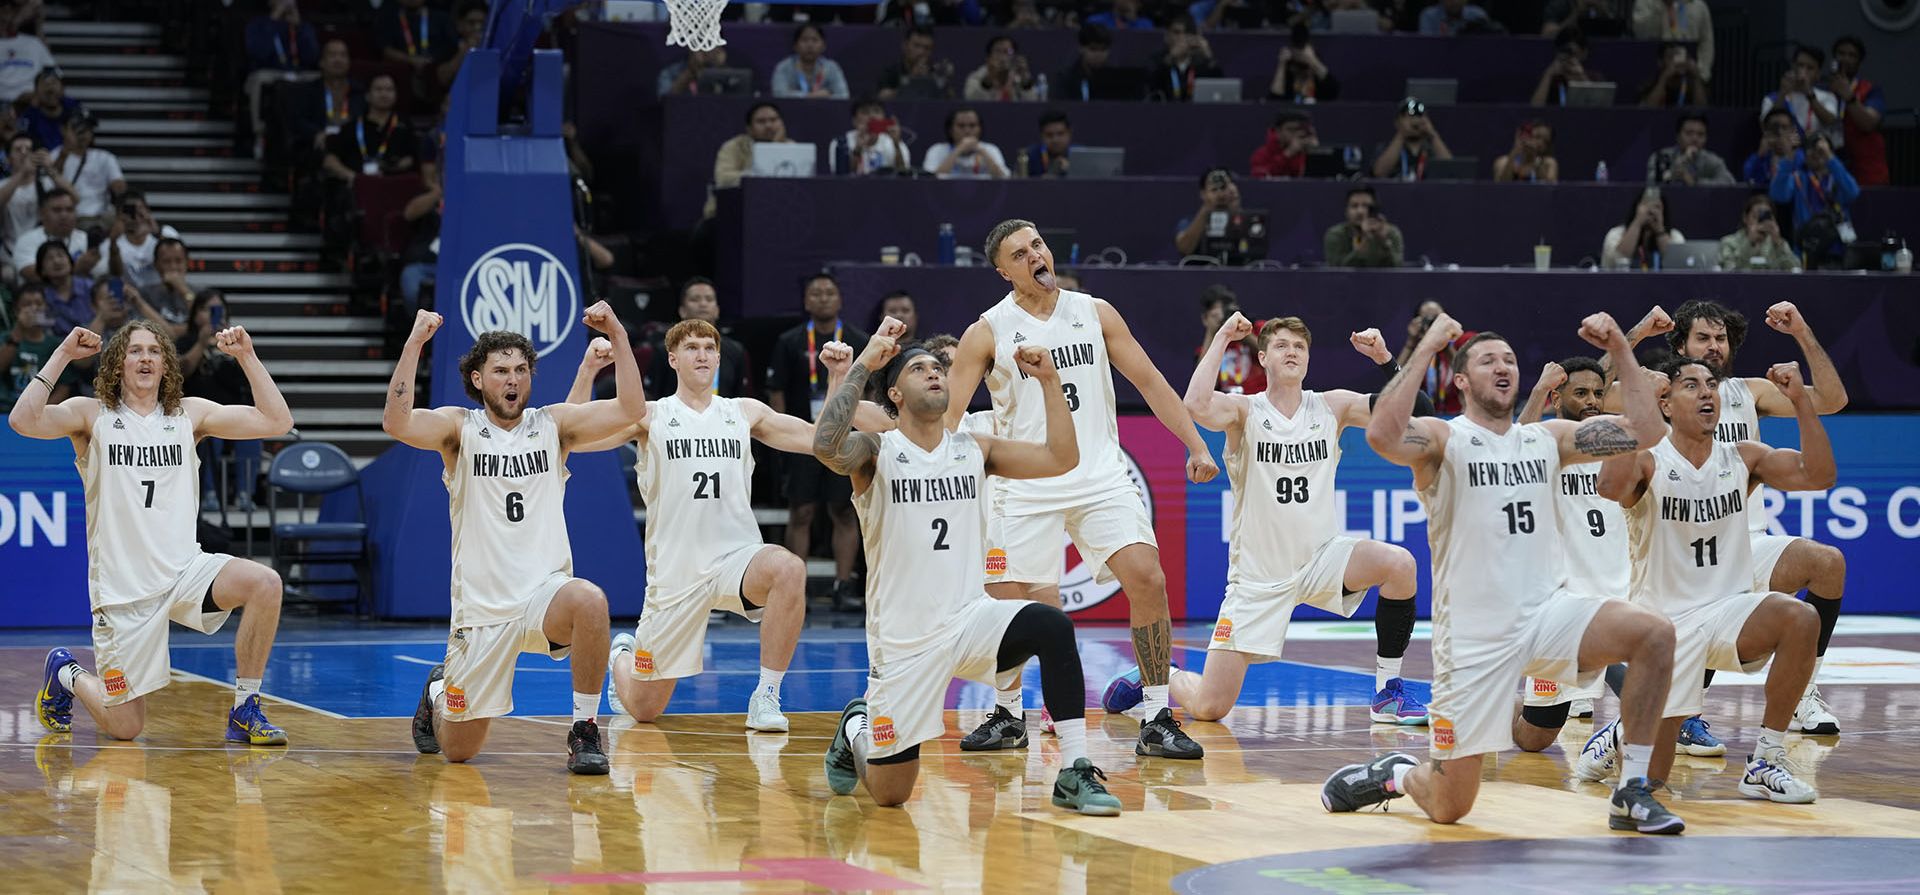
{"type": "Point", "coordinates": [923, 521]}
{"type": "Point", "coordinates": [507, 496]}
{"type": "Point", "coordinates": [1688, 533]}
{"type": "Point", "coordinates": [695, 472]}
{"type": "Point", "coordinates": [1593, 532]}
{"type": "Point", "coordinates": [1079, 346]}
{"type": "Point", "coordinates": [1283, 492]}
{"type": "Point", "coordinates": [1740, 421]}
{"type": "Point", "coordinates": [1492, 526]}
{"type": "Point", "coordinates": [141, 477]}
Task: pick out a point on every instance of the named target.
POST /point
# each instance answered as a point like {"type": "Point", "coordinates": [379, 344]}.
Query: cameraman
{"type": "Point", "coordinates": [1365, 238]}
{"type": "Point", "coordinates": [1757, 245]}
{"type": "Point", "coordinates": [1300, 76]}
{"type": "Point", "coordinates": [1822, 195]}
{"type": "Point", "coordinates": [133, 241]}
{"type": "Point", "coordinates": [1815, 110]}
{"type": "Point", "coordinates": [1219, 201]}
{"type": "Point", "coordinates": [1414, 142]}
{"type": "Point", "coordinates": [874, 144]}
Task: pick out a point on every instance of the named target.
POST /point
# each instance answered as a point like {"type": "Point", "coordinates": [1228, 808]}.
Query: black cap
{"type": "Point", "coordinates": [83, 119]}
{"type": "Point", "coordinates": [1413, 106]}
{"type": "Point", "coordinates": [50, 71]}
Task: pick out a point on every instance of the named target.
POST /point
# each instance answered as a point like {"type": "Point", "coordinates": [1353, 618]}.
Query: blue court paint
{"type": "Point", "coordinates": [376, 677]}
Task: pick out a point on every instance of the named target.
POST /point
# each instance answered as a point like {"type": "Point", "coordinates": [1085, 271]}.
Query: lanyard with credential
{"type": "Point", "coordinates": [360, 134]}
{"type": "Point", "coordinates": [1819, 194]}
{"type": "Point", "coordinates": [1419, 166]}
{"type": "Point", "coordinates": [341, 104]}
{"type": "Point", "coordinates": [426, 35]}
{"type": "Point", "coordinates": [813, 355]}
{"type": "Point", "coordinates": [292, 45]}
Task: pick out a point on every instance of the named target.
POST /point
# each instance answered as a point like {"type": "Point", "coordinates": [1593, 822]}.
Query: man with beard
{"type": "Point", "coordinates": [134, 445]}
{"type": "Point", "coordinates": [513, 586]}
{"type": "Point", "coordinates": [1500, 606]}
{"type": "Point", "coordinates": [1096, 503]}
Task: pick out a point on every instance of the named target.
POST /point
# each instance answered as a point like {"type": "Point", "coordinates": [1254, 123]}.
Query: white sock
{"type": "Point", "coordinates": [1818, 663]}
{"type": "Point", "coordinates": [1151, 702]}
{"type": "Point", "coordinates": [436, 690]}
{"type": "Point", "coordinates": [1772, 743]}
{"type": "Point", "coordinates": [1384, 670]}
{"type": "Point", "coordinates": [1011, 699]}
{"type": "Point", "coordinates": [1634, 760]}
{"type": "Point", "coordinates": [856, 729]}
{"type": "Point", "coordinates": [244, 687]}
{"type": "Point", "coordinates": [1073, 740]}
{"type": "Point", "coordinates": [586, 705]}
{"type": "Point", "coordinates": [1400, 773]}
{"type": "Point", "coordinates": [769, 681]}
{"type": "Point", "coordinates": [69, 675]}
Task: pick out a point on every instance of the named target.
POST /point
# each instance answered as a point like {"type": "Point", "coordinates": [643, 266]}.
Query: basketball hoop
{"type": "Point", "coordinates": [695, 24]}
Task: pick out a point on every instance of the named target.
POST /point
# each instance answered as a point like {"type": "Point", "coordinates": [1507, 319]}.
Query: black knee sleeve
{"type": "Point", "coordinates": [208, 606]}
{"type": "Point", "coordinates": [1393, 626]}
{"type": "Point", "coordinates": [1043, 631]}
{"type": "Point", "coordinates": [1551, 717]}
{"type": "Point", "coordinates": [1829, 616]}
{"type": "Point", "coordinates": [1616, 678]}
{"type": "Point", "coordinates": [1706, 680]}
{"type": "Point", "coordinates": [911, 753]}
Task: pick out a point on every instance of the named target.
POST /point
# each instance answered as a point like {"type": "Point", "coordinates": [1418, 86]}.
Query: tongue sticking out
{"type": "Point", "coordinates": [1044, 277]}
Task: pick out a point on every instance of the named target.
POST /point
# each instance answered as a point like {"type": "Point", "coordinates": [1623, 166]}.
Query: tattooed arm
{"type": "Point", "coordinates": [1393, 432]}
{"type": "Point", "coordinates": [428, 430]}
{"type": "Point", "coordinates": [844, 451]}
{"type": "Point", "coordinates": [1600, 437]}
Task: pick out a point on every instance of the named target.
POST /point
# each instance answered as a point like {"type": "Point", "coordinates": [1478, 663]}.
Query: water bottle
{"type": "Point", "coordinates": [946, 244]}
{"type": "Point", "coordinates": [1600, 172]}
{"type": "Point", "coordinates": [1040, 84]}
{"type": "Point", "coordinates": [1903, 259]}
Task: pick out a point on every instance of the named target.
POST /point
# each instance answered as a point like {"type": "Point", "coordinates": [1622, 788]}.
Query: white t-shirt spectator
{"type": "Point", "coordinates": [878, 157]}
{"type": "Point", "coordinates": [22, 56]}
{"type": "Point", "coordinates": [23, 210]}
{"type": "Point", "coordinates": [966, 167]}
{"type": "Point", "coordinates": [1804, 120]}
{"type": "Point", "coordinates": [27, 247]}
{"type": "Point", "coordinates": [1610, 244]}
{"type": "Point", "coordinates": [91, 177]}
{"type": "Point", "coordinates": [136, 259]}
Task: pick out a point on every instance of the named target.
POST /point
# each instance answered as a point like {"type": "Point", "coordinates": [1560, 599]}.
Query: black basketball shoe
{"type": "Point", "coordinates": [423, 738]}
{"type": "Point", "coordinates": [585, 755]}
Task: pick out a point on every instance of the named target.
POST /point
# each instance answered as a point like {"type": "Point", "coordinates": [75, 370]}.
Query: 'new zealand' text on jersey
{"type": "Point", "coordinates": [506, 492]}
{"type": "Point", "coordinates": [1740, 421]}
{"type": "Point", "coordinates": [1492, 527]}
{"type": "Point", "coordinates": [1688, 533]}
{"type": "Point", "coordinates": [924, 521]}
{"type": "Point", "coordinates": [1593, 532]}
{"type": "Point", "coordinates": [1079, 346]}
{"type": "Point", "coordinates": [1283, 489]}
{"type": "Point", "coordinates": [694, 470]}
{"type": "Point", "coordinates": [141, 477]}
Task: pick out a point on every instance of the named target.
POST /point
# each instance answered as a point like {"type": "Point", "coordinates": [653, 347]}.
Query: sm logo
{"type": "Point", "coordinates": [520, 288]}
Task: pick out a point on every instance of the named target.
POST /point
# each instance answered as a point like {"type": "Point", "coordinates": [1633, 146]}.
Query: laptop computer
{"type": "Point", "coordinates": [783, 159]}
{"type": "Point", "coordinates": [1331, 161]}
{"type": "Point", "coordinates": [1694, 254]}
{"type": "Point", "coordinates": [1460, 167]}
{"type": "Point", "coordinates": [726, 82]}
{"type": "Point", "coordinates": [1096, 161]}
{"type": "Point", "coordinates": [1434, 91]}
{"type": "Point", "coordinates": [1242, 238]}
{"type": "Point", "coordinates": [1117, 83]}
{"type": "Point", "coordinates": [1590, 93]}
{"type": "Point", "coordinates": [1216, 90]}
{"type": "Point", "coordinates": [1354, 21]}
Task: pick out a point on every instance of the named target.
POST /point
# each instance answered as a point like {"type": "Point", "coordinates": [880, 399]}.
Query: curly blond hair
{"type": "Point", "coordinates": [113, 360]}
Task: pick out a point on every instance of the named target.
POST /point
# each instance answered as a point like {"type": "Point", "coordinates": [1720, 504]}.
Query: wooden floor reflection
{"type": "Point", "coordinates": [695, 805]}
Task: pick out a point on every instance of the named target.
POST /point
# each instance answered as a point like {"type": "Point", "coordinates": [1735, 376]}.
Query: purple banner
{"type": "Point", "coordinates": [1869, 324]}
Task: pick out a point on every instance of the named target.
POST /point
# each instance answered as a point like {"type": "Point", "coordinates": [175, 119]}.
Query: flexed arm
{"type": "Point", "coordinates": [428, 430]}
{"type": "Point", "coordinates": [844, 451]}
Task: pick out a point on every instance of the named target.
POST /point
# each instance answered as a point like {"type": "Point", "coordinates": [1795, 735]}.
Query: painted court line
{"type": "Point", "coordinates": [226, 686]}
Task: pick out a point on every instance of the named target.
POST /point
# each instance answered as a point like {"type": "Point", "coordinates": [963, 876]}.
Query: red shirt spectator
{"type": "Point", "coordinates": [1285, 152]}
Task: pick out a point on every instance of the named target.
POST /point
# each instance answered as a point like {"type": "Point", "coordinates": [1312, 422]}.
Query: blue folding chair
{"type": "Point", "coordinates": [316, 469]}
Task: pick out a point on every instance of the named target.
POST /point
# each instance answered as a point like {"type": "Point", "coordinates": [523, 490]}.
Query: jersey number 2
{"type": "Point", "coordinates": [940, 534]}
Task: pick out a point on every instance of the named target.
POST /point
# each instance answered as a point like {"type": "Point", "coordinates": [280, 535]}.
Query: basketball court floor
{"type": "Point", "coordinates": [696, 805]}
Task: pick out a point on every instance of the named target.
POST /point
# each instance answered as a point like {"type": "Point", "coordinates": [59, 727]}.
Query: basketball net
{"type": "Point", "coordinates": [695, 24]}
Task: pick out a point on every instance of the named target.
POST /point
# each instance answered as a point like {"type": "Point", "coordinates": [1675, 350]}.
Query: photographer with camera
{"type": "Point", "coordinates": [1531, 158]}
{"type": "Point", "coordinates": [1414, 142]}
{"type": "Point", "coordinates": [1679, 83]}
{"type": "Point", "coordinates": [1822, 193]}
{"type": "Point", "coordinates": [26, 346]}
{"type": "Point", "coordinates": [1569, 65]}
{"type": "Point", "coordinates": [1188, 58]}
{"type": "Point", "coordinates": [872, 146]}
{"type": "Point", "coordinates": [1639, 243]}
{"type": "Point", "coordinates": [30, 176]}
{"type": "Point", "coordinates": [1757, 245]}
{"type": "Point", "coordinates": [1219, 202]}
{"type": "Point", "coordinates": [1814, 109]}
{"type": "Point", "coordinates": [1285, 152]}
{"type": "Point", "coordinates": [1365, 238]}
{"type": "Point", "coordinates": [133, 241]}
{"type": "Point", "coordinates": [1688, 161]}
{"type": "Point", "coordinates": [1300, 76]}
{"type": "Point", "coordinates": [1004, 76]}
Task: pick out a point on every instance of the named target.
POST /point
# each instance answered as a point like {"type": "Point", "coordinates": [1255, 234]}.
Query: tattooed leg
{"type": "Point", "coordinates": [1153, 649]}
{"type": "Point", "coordinates": [1137, 566]}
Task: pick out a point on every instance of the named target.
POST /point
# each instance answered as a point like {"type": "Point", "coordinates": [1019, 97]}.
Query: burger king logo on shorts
{"type": "Point", "coordinates": [642, 662]}
{"type": "Point", "coordinates": [1223, 631]}
{"type": "Point", "coordinates": [116, 681]}
{"type": "Point", "coordinates": [996, 562]}
{"type": "Point", "coordinates": [1545, 689]}
{"type": "Point", "coordinates": [1442, 733]}
{"type": "Point", "coordinates": [883, 731]}
{"type": "Point", "coordinates": [456, 700]}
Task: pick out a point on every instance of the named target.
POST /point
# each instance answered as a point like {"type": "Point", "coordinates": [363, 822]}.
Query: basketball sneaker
{"type": "Point", "coordinates": [1161, 736]}
{"type": "Point", "coordinates": [1394, 705]}
{"type": "Point", "coordinates": [1078, 789]}
{"type": "Point", "coordinates": [1633, 807]}
{"type": "Point", "coordinates": [763, 712]}
{"type": "Point", "coordinates": [1001, 730]}
{"type": "Point", "coordinates": [621, 642]}
{"type": "Point", "coordinates": [248, 724]}
{"type": "Point", "coordinates": [54, 705]}
{"type": "Point", "coordinates": [1771, 777]}
{"type": "Point", "coordinates": [1363, 785]}
{"type": "Point", "coordinates": [1582, 709]}
{"type": "Point", "coordinates": [1696, 739]}
{"type": "Point", "coordinates": [585, 754]}
{"type": "Point", "coordinates": [1123, 692]}
{"type": "Point", "coordinates": [1600, 753]}
{"type": "Point", "coordinates": [424, 739]}
{"type": "Point", "coordinates": [843, 772]}
{"type": "Point", "coordinates": [1812, 716]}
